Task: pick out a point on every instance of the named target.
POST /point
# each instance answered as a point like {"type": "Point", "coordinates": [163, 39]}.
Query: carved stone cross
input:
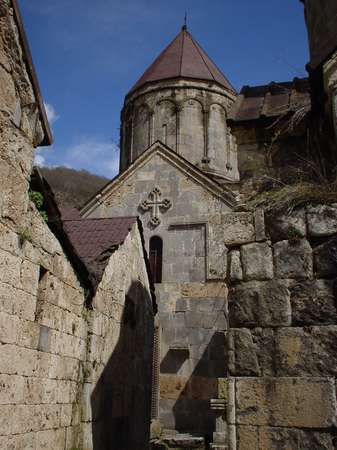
{"type": "Point", "coordinates": [155, 203]}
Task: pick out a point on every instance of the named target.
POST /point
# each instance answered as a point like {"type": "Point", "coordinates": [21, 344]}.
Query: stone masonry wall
{"type": "Point", "coordinates": [116, 397]}
{"type": "Point", "coordinates": [56, 355]}
{"type": "Point", "coordinates": [283, 332]}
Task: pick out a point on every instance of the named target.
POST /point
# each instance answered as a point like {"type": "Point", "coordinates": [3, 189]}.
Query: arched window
{"type": "Point", "coordinates": [156, 258]}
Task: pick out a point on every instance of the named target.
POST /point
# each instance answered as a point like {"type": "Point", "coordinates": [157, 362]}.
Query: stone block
{"type": "Point", "coordinates": [67, 345]}
{"type": "Point", "coordinates": [198, 336]}
{"type": "Point", "coordinates": [264, 343]}
{"type": "Point", "coordinates": [219, 304]}
{"type": "Point", "coordinates": [25, 441]}
{"type": "Point", "coordinates": [48, 416]}
{"type": "Point", "coordinates": [259, 222]}
{"type": "Point", "coordinates": [182, 305]}
{"type": "Point", "coordinates": [29, 273]}
{"type": "Point", "coordinates": [166, 413]}
{"type": "Point", "coordinates": [238, 228]}
{"type": "Point", "coordinates": [235, 266]}
{"type": "Point", "coordinates": [293, 259]}
{"type": "Point", "coordinates": [9, 241]}
{"type": "Point", "coordinates": [44, 343]}
{"type": "Point", "coordinates": [50, 439]}
{"type": "Point", "coordinates": [87, 391]}
{"type": "Point", "coordinates": [172, 386]}
{"type": "Point", "coordinates": [217, 253]}
{"type": "Point", "coordinates": [306, 351]}
{"type": "Point", "coordinates": [73, 437]}
{"type": "Point", "coordinates": [204, 290]}
{"type": "Point", "coordinates": [325, 259]}
{"type": "Point", "coordinates": [184, 442]}
{"type": "Point", "coordinates": [260, 304]}
{"type": "Point", "coordinates": [194, 319]}
{"type": "Point", "coordinates": [8, 93]}
{"type": "Point", "coordinates": [12, 389]}
{"type": "Point", "coordinates": [10, 269]}
{"type": "Point", "coordinates": [313, 302]}
{"type": "Point", "coordinates": [322, 220]}
{"type": "Point", "coordinates": [67, 391]}
{"type": "Point", "coordinates": [29, 334]}
{"type": "Point", "coordinates": [16, 360]}
{"type": "Point", "coordinates": [57, 367]}
{"type": "Point", "coordinates": [245, 361]}
{"type": "Point", "coordinates": [283, 227]}
{"type": "Point", "coordinates": [273, 438]}
{"type": "Point", "coordinates": [216, 320]}
{"type": "Point", "coordinates": [198, 351]}
{"type": "Point", "coordinates": [257, 261]}
{"type": "Point", "coordinates": [24, 305]}
{"type": "Point", "coordinates": [40, 391]}
{"type": "Point", "coordinates": [86, 436]}
{"type": "Point", "coordinates": [286, 402]}
{"type": "Point", "coordinates": [95, 346]}
{"type": "Point", "coordinates": [66, 415]}
{"type": "Point", "coordinates": [9, 328]}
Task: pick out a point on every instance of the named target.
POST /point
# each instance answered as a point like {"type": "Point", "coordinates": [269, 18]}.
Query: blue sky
{"type": "Point", "coordinates": [89, 53]}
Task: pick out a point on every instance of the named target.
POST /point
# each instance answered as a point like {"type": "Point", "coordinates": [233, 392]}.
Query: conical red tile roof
{"type": "Point", "coordinates": [183, 58]}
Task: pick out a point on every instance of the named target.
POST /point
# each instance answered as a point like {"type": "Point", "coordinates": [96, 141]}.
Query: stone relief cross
{"type": "Point", "coordinates": [155, 203]}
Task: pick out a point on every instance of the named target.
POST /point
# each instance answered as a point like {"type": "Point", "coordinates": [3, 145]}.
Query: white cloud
{"type": "Point", "coordinates": [39, 160]}
{"type": "Point", "coordinates": [97, 156]}
{"type": "Point", "coordinates": [51, 113]}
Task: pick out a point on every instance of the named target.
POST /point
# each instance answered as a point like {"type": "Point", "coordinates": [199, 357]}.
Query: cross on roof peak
{"type": "Point", "coordinates": [184, 27]}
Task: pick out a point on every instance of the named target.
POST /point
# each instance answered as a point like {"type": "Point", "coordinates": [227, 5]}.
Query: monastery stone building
{"type": "Point", "coordinates": [168, 301]}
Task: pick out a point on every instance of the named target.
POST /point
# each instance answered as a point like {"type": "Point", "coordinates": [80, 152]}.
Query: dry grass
{"type": "Point", "coordinates": [288, 197]}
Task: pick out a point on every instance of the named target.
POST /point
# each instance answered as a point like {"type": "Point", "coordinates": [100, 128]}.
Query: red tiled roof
{"type": "Point", "coordinates": [94, 240]}
{"type": "Point", "coordinates": [183, 58]}
{"type": "Point", "coordinates": [271, 100]}
{"type": "Point", "coordinates": [69, 213]}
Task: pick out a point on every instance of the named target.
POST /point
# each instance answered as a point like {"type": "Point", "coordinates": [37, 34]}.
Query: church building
{"type": "Point", "coordinates": [177, 165]}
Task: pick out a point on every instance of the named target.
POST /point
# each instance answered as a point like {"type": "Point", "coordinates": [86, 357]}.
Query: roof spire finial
{"type": "Point", "coordinates": [184, 27]}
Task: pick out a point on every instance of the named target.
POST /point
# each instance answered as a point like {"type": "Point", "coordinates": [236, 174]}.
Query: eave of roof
{"type": "Point", "coordinates": [48, 138]}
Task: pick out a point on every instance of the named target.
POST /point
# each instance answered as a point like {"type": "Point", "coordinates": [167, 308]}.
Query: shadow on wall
{"type": "Point", "coordinates": [191, 410]}
{"type": "Point", "coordinates": [121, 400]}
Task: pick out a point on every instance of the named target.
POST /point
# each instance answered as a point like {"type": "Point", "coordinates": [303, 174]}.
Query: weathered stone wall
{"type": "Point", "coordinates": [187, 116]}
{"type": "Point", "coordinates": [117, 375]}
{"type": "Point", "coordinates": [282, 333]}
{"type": "Point", "coordinates": [54, 351]}
{"type": "Point", "coordinates": [70, 375]}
